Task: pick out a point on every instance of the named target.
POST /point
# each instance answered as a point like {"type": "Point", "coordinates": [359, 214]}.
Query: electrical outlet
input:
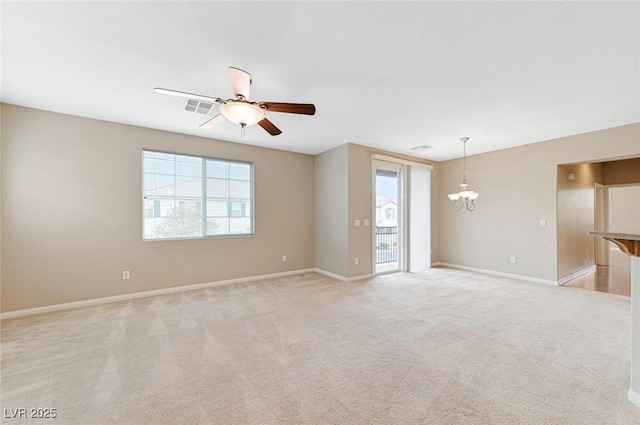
{"type": "Point", "coordinates": [366, 222]}
{"type": "Point", "coordinates": [357, 261]}
{"type": "Point", "coordinates": [512, 259]}
{"type": "Point", "coordinates": [126, 275]}
{"type": "Point", "coordinates": [284, 258]}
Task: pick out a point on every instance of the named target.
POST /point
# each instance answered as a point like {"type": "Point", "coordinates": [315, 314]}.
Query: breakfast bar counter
{"type": "Point", "coordinates": [629, 243]}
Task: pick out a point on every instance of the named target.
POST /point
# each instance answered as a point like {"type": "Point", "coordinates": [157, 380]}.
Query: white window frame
{"type": "Point", "coordinates": [201, 199]}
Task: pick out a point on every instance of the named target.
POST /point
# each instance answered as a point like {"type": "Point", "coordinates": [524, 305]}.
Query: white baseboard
{"type": "Point", "coordinates": [342, 278]}
{"type": "Point", "coordinates": [495, 273]}
{"type": "Point", "coordinates": [576, 275]}
{"type": "Point", "coordinates": [152, 293]}
{"type": "Point", "coordinates": [361, 277]}
{"type": "Point", "coordinates": [633, 397]}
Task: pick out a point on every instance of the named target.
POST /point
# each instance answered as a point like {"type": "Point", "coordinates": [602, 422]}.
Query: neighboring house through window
{"type": "Point", "coordinates": [386, 211]}
{"type": "Point", "coordinates": [390, 213]}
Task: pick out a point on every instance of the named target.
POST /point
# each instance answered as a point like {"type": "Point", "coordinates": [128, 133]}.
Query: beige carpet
{"type": "Point", "coordinates": [440, 347]}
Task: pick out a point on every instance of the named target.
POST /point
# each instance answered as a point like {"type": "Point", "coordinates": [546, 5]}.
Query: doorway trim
{"type": "Point", "coordinates": [601, 221]}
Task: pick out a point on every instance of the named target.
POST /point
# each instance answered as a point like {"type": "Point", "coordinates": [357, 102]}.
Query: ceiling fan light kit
{"type": "Point", "coordinates": [240, 110]}
{"type": "Point", "coordinates": [464, 198]}
{"type": "Point", "coordinates": [242, 113]}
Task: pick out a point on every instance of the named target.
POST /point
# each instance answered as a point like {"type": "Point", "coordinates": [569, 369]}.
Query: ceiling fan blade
{"type": "Point", "coordinates": [240, 81]}
{"type": "Point", "coordinates": [213, 121]}
{"type": "Point", "coordinates": [291, 108]}
{"type": "Point", "coordinates": [268, 125]}
{"type": "Point", "coordinates": [189, 95]}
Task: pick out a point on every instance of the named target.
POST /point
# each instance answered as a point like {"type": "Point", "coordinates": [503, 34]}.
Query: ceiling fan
{"type": "Point", "coordinates": [240, 110]}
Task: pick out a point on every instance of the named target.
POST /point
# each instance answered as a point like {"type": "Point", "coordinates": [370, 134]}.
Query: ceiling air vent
{"type": "Point", "coordinates": [421, 148]}
{"type": "Point", "coordinates": [199, 107]}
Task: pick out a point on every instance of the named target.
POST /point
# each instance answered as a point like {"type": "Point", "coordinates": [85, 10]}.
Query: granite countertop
{"type": "Point", "coordinates": [628, 236]}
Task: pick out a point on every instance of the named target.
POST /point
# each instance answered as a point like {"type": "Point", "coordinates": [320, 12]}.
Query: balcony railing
{"type": "Point", "coordinates": [386, 244]}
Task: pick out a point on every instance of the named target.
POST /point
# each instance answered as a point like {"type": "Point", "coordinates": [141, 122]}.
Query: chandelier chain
{"type": "Point", "coordinates": [464, 162]}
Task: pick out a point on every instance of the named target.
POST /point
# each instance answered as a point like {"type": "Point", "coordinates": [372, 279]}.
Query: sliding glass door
{"type": "Point", "coordinates": [388, 242]}
{"type": "Point", "coordinates": [402, 211]}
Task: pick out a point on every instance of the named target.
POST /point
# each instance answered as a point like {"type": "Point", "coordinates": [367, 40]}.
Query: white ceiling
{"type": "Point", "coordinates": [389, 75]}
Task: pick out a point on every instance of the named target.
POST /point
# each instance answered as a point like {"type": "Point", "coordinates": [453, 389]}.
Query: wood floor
{"type": "Point", "coordinates": [614, 279]}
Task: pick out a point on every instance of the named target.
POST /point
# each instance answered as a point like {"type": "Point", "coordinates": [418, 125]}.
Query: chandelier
{"type": "Point", "coordinates": [466, 197]}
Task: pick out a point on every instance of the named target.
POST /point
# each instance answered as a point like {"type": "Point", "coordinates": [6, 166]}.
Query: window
{"type": "Point", "coordinates": [194, 197]}
{"type": "Point", "coordinates": [390, 213]}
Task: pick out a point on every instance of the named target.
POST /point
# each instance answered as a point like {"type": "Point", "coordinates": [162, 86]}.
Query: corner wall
{"type": "Point", "coordinates": [72, 212]}
{"type": "Point", "coordinates": [332, 210]}
{"type": "Point", "coordinates": [361, 206]}
{"type": "Point", "coordinates": [344, 190]}
{"type": "Point", "coordinates": [576, 212]}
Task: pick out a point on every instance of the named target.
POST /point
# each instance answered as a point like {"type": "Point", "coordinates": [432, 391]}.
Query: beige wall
{"type": "Point", "coordinates": [361, 208]}
{"type": "Point", "coordinates": [624, 213]}
{"type": "Point", "coordinates": [344, 187]}
{"type": "Point", "coordinates": [622, 172]}
{"type": "Point", "coordinates": [71, 209]}
{"type": "Point", "coordinates": [332, 210]}
{"type": "Point", "coordinates": [624, 209]}
{"type": "Point", "coordinates": [361, 205]}
{"type": "Point", "coordinates": [72, 215]}
{"type": "Point", "coordinates": [576, 212]}
{"type": "Point", "coordinates": [517, 187]}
